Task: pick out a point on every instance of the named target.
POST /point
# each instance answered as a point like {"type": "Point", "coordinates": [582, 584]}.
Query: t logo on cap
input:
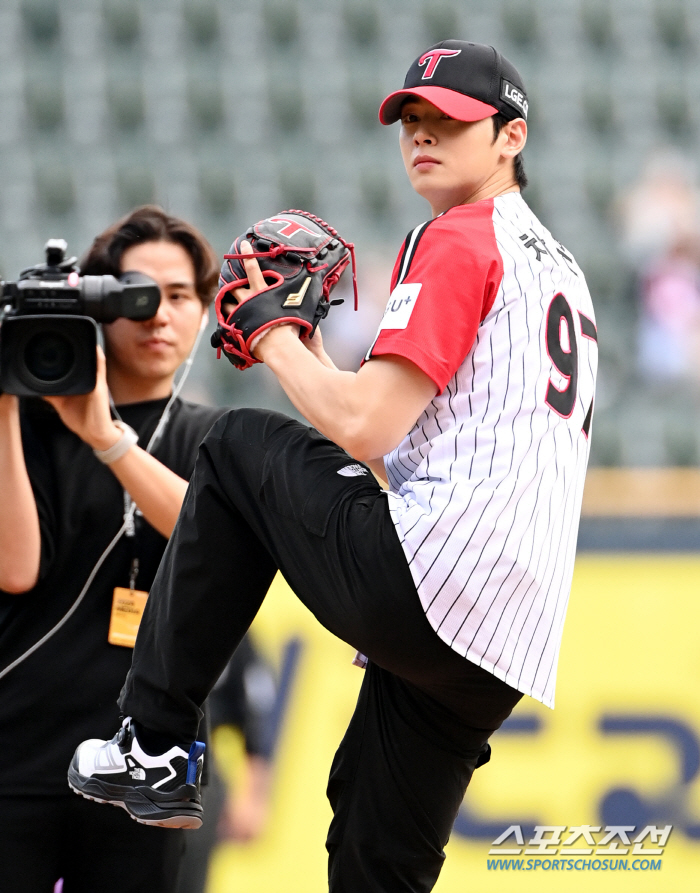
{"type": "Point", "coordinates": [468, 88]}
{"type": "Point", "coordinates": [431, 59]}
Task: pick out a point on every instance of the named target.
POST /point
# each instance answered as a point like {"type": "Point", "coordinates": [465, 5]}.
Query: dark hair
{"type": "Point", "coordinates": [499, 121]}
{"type": "Point", "coordinates": [150, 223]}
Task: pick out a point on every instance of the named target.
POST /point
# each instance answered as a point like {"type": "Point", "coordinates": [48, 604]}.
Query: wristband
{"type": "Point", "coordinates": [258, 338]}
{"type": "Point", "coordinates": [128, 439]}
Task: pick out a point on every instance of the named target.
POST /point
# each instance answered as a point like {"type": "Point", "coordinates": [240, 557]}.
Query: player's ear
{"type": "Point", "coordinates": [516, 136]}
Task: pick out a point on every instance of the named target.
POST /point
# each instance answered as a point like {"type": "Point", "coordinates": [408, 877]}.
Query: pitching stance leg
{"type": "Point", "coordinates": [270, 493]}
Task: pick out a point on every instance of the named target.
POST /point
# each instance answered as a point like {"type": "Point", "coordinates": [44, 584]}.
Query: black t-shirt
{"type": "Point", "coordinates": [66, 691]}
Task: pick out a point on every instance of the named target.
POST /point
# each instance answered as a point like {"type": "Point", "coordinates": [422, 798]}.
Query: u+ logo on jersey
{"type": "Point", "coordinates": [397, 303]}
{"type": "Point", "coordinates": [400, 306]}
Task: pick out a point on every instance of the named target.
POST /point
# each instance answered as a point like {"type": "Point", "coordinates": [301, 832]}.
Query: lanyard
{"type": "Point", "coordinates": [131, 510]}
{"type": "Point", "coordinates": [130, 521]}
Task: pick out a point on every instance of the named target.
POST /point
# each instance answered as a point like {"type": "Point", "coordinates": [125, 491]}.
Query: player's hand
{"type": "Point", "coordinates": [88, 415]}
{"type": "Point", "coordinates": [256, 280]}
{"type": "Point", "coordinates": [315, 346]}
{"type": "Point", "coordinates": [256, 284]}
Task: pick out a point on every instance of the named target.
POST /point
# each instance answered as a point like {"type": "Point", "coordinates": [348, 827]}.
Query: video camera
{"type": "Point", "coordinates": [48, 323]}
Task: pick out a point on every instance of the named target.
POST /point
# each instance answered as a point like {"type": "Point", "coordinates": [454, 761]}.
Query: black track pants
{"type": "Point", "coordinates": [94, 849]}
{"type": "Point", "coordinates": [266, 494]}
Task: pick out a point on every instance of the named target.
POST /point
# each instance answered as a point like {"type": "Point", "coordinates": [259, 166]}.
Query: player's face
{"type": "Point", "coordinates": [452, 162]}
{"type": "Point", "coordinates": [153, 349]}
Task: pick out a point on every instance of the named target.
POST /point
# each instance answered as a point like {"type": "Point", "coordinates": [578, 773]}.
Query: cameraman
{"type": "Point", "coordinates": [69, 476]}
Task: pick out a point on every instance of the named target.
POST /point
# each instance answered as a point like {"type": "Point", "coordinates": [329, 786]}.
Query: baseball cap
{"type": "Point", "coordinates": [468, 81]}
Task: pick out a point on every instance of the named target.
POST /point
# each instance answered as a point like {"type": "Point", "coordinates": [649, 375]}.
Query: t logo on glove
{"type": "Point", "coordinates": [291, 272]}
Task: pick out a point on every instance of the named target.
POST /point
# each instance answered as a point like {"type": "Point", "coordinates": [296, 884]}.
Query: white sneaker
{"type": "Point", "coordinates": [154, 790]}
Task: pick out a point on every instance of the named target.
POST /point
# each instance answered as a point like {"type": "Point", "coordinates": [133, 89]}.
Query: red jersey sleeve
{"type": "Point", "coordinates": [444, 283]}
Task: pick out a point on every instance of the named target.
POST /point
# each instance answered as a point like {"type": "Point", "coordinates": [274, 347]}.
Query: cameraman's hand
{"type": "Point", "coordinates": [20, 537]}
{"type": "Point", "coordinates": [88, 415]}
{"type": "Point", "coordinates": [156, 489]}
{"type": "Point", "coordinates": [8, 403]}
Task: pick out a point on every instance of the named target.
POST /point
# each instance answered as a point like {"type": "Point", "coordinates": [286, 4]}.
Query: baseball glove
{"type": "Point", "coordinates": [301, 259]}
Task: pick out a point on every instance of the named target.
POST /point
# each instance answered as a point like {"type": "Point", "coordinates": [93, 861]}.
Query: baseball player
{"type": "Point", "coordinates": [475, 403]}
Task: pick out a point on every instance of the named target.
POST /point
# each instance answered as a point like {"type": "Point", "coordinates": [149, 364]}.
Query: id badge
{"type": "Point", "coordinates": [127, 610]}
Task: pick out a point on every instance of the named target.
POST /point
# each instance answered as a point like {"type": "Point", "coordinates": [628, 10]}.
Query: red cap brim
{"type": "Point", "coordinates": [452, 103]}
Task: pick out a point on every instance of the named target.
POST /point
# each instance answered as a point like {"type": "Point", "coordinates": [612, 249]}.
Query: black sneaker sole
{"type": "Point", "coordinates": [167, 809]}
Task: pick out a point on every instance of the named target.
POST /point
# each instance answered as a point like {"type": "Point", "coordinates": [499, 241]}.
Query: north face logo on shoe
{"type": "Point", "coordinates": [353, 471]}
{"type": "Point", "coordinates": [138, 774]}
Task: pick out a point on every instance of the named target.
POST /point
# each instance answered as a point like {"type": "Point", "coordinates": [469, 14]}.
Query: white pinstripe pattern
{"type": "Point", "coordinates": [487, 487]}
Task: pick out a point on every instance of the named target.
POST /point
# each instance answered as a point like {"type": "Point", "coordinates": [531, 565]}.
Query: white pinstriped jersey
{"type": "Point", "coordinates": [486, 489]}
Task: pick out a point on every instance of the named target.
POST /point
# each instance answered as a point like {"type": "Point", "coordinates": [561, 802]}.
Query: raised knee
{"type": "Point", "coordinates": [247, 425]}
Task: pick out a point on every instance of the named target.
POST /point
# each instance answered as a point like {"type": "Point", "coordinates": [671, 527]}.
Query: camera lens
{"type": "Point", "coordinates": [49, 356]}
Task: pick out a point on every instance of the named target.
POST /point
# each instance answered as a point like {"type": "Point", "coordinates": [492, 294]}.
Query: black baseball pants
{"type": "Point", "coordinates": [266, 494]}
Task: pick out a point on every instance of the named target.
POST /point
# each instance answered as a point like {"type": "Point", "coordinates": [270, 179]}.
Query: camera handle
{"type": "Point", "coordinates": [130, 508]}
